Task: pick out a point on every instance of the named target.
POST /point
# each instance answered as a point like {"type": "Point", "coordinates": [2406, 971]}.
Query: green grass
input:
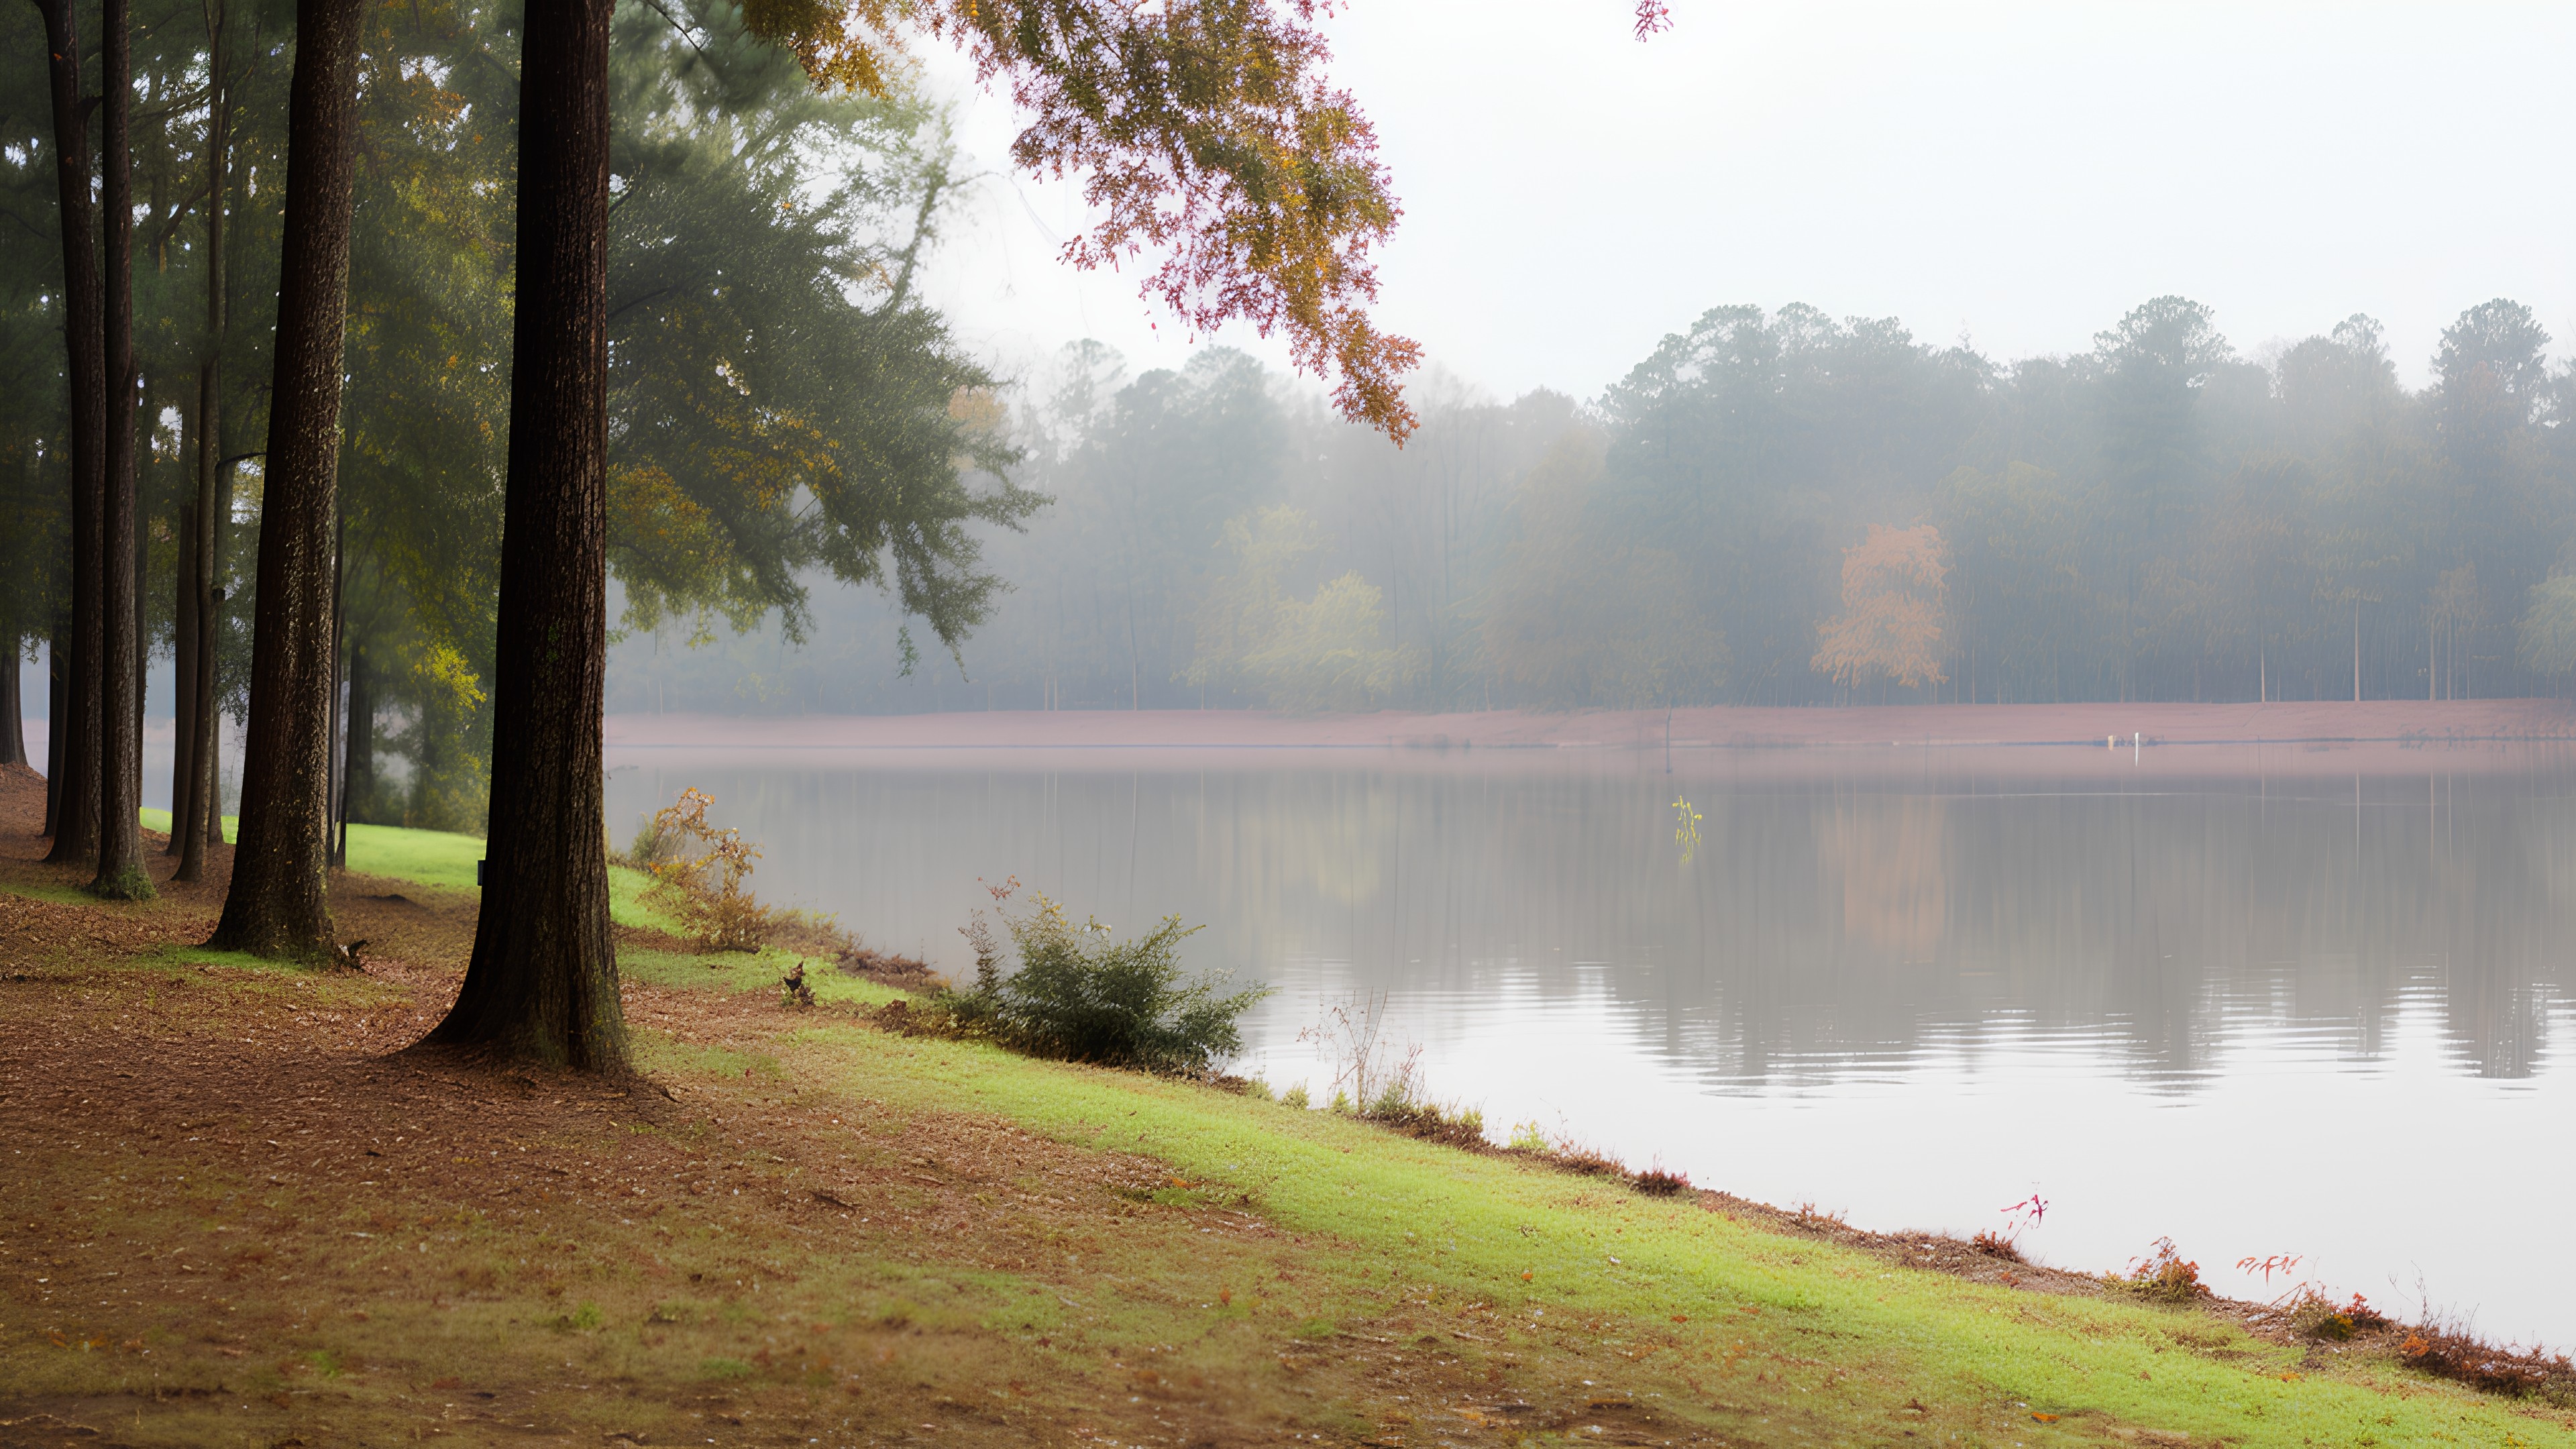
{"type": "Point", "coordinates": [741, 971]}
{"type": "Point", "coordinates": [626, 903]}
{"type": "Point", "coordinates": [160, 820]}
{"type": "Point", "coordinates": [430, 857]}
{"type": "Point", "coordinates": [1470, 1227]}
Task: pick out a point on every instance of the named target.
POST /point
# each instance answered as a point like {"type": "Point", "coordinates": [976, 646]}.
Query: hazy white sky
{"type": "Point", "coordinates": [2016, 174]}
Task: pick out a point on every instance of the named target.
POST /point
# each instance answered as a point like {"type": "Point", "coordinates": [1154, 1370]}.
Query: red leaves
{"type": "Point", "coordinates": [1653, 18]}
{"type": "Point", "coordinates": [2281, 1263]}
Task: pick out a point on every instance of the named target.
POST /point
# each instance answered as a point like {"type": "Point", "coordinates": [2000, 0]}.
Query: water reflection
{"type": "Point", "coordinates": [1850, 962]}
{"type": "Point", "coordinates": [1820, 925]}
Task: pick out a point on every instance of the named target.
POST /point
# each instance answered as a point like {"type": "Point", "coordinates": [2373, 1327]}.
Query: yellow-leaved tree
{"type": "Point", "coordinates": [1895, 599]}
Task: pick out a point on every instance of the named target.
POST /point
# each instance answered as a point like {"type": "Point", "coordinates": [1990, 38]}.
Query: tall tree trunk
{"type": "Point", "coordinates": [543, 981]}
{"type": "Point", "coordinates": [13, 727]}
{"type": "Point", "coordinates": [72, 766]}
{"type": "Point", "coordinates": [120, 743]}
{"type": "Point", "coordinates": [335, 778]}
{"type": "Point", "coordinates": [58, 677]}
{"type": "Point", "coordinates": [210, 719]}
{"type": "Point", "coordinates": [277, 905]}
{"type": "Point", "coordinates": [205, 817]}
{"type": "Point", "coordinates": [183, 649]}
{"type": "Point", "coordinates": [358, 778]}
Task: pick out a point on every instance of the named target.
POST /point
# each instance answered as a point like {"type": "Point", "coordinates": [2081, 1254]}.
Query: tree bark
{"type": "Point", "coordinates": [183, 648]}
{"type": "Point", "coordinates": [210, 719]}
{"type": "Point", "coordinates": [277, 905]}
{"type": "Point", "coordinates": [13, 727]}
{"type": "Point", "coordinates": [214, 500]}
{"type": "Point", "coordinates": [72, 767]}
{"type": "Point", "coordinates": [543, 980]}
{"type": "Point", "coordinates": [57, 689]}
{"type": "Point", "coordinates": [359, 774]}
{"type": "Point", "coordinates": [120, 742]}
{"type": "Point", "coordinates": [335, 777]}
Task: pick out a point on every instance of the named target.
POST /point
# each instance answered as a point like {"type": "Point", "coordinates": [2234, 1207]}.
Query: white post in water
{"type": "Point", "coordinates": [2137, 743]}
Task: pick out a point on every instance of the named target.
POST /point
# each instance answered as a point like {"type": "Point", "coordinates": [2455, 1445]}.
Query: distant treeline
{"type": "Point", "coordinates": [1773, 508]}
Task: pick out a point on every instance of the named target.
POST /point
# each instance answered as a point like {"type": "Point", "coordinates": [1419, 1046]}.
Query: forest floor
{"type": "Point", "coordinates": [234, 1211]}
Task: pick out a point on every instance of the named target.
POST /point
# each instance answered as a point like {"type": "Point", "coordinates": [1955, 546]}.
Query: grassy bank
{"type": "Point", "coordinates": [816, 1230]}
{"type": "Point", "coordinates": [429, 857]}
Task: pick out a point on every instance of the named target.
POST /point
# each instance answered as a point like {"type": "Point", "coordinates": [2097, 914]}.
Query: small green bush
{"type": "Point", "coordinates": [1296, 1097]}
{"type": "Point", "coordinates": [1083, 996]}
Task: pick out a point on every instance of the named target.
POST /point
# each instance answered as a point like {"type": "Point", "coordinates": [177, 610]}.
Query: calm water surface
{"type": "Point", "coordinates": [2260, 1012]}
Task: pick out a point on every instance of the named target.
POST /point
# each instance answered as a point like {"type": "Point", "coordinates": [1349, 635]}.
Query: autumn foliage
{"type": "Point", "coordinates": [1895, 596]}
{"type": "Point", "coordinates": [1207, 133]}
{"type": "Point", "coordinates": [698, 875]}
{"type": "Point", "coordinates": [2451, 1353]}
{"type": "Point", "coordinates": [2164, 1275]}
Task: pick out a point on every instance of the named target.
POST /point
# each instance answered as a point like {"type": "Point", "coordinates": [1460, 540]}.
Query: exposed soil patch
{"type": "Point", "coordinates": [1935, 1252]}
{"type": "Point", "coordinates": [900, 972]}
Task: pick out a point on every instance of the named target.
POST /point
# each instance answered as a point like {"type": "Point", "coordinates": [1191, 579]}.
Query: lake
{"type": "Point", "coordinates": [2233, 997]}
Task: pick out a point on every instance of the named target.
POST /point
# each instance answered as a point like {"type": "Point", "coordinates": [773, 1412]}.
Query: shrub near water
{"type": "Point", "coordinates": [2450, 1352]}
{"type": "Point", "coordinates": [2317, 1316]}
{"type": "Point", "coordinates": [698, 873]}
{"type": "Point", "coordinates": [1082, 995]}
{"type": "Point", "coordinates": [2165, 1275]}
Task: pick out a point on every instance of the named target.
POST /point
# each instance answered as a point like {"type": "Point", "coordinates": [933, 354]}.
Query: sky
{"type": "Point", "coordinates": [2015, 175]}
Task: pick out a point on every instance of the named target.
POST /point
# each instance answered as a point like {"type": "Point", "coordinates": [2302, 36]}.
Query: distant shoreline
{"type": "Point", "coordinates": [2375, 737]}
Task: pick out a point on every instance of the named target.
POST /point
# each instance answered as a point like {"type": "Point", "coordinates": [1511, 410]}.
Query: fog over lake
{"type": "Point", "coordinates": [2239, 1000]}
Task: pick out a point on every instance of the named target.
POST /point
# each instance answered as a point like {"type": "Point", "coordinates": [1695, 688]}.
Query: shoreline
{"type": "Point", "coordinates": [2173, 741]}
{"type": "Point", "coordinates": [2411, 722]}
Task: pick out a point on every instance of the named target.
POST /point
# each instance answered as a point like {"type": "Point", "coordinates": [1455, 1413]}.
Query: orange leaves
{"type": "Point", "coordinates": [1895, 599]}
{"type": "Point", "coordinates": [1206, 132]}
{"type": "Point", "coordinates": [2165, 1275]}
